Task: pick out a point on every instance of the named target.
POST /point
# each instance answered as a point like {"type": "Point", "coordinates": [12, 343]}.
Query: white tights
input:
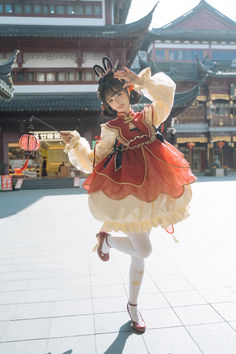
{"type": "Point", "coordinates": [138, 246]}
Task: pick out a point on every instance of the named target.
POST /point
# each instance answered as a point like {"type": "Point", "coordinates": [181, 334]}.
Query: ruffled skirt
{"type": "Point", "coordinates": [151, 188]}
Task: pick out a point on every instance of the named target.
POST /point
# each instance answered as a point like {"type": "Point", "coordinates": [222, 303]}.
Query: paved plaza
{"type": "Point", "coordinates": [57, 297]}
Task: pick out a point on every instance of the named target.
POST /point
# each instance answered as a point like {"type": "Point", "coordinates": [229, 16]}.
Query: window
{"type": "Point", "coordinates": [20, 77]}
{"type": "Point", "coordinates": [79, 9]}
{"type": "Point", "coordinates": [88, 10]}
{"type": "Point", "coordinates": [18, 9]}
{"type": "Point", "coordinates": [185, 55]}
{"type": "Point", "coordinates": [40, 77]}
{"type": "Point", "coordinates": [78, 75]}
{"type": "Point", "coordinates": [176, 55]}
{"type": "Point", "coordinates": [71, 76]}
{"type": "Point", "coordinates": [61, 76]}
{"type": "Point", "coordinates": [52, 9]}
{"type": "Point", "coordinates": [160, 55]}
{"type": "Point", "coordinates": [28, 9]}
{"type": "Point", "coordinates": [37, 9]}
{"type": "Point", "coordinates": [45, 9]}
{"type": "Point", "coordinates": [51, 76]}
{"type": "Point", "coordinates": [97, 10]}
{"type": "Point", "coordinates": [60, 10]}
{"type": "Point", "coordinates": [8, 8]}
{"type": "Point", "coordinates": [70, 10]}
{"type": "Point", "coordinates": [88, 76]}
{"type": "Point", "coordinates": [223, 55]}
{"type": "Point", "coordinates": [30, 76]}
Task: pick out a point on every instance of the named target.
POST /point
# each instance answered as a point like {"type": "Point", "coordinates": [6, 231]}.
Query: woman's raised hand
{"type": "Point", "coordinates": [128, 75]}
{"type": "Point", "coordinates": [66, 137]}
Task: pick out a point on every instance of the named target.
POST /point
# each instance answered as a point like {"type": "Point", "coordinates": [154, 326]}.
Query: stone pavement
{"type": "Point", "coordinates": [57, 297]}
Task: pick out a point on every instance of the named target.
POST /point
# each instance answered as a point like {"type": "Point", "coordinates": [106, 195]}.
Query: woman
{"type": "Point", "coordinates": [137, 179]}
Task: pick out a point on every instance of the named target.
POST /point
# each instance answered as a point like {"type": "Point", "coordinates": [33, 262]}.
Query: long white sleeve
{"type": "Point", "coordinates": [160, 89]}
{"type": "Point", "coordinates": [80, 153]}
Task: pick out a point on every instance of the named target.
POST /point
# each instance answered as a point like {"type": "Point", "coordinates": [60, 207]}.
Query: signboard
{"type": "Point", "coordinates": [48, 135]}
{"type": "Point", "coordinates": [233, 91]}
{"type": "Point", "coordinates": [6, 183]}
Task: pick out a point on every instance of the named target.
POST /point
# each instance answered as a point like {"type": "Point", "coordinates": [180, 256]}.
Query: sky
{"type": "Point", "coordinates": [168, 10]}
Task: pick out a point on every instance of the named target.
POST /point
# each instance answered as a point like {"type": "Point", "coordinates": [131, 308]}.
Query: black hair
{"type": "Point", "coordinates": [110, 86]}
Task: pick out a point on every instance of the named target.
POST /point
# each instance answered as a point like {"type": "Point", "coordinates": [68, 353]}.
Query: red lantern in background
{"type": "Point", "coordinates": [190, 145]}
{"type": "Point", "coordinates": [220, 144]}
{"type": "Point", "coordinates": [29, 143]}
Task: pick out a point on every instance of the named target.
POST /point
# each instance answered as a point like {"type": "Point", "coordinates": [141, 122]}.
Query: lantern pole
{"type": "Point", "coordinates": [41, 121]}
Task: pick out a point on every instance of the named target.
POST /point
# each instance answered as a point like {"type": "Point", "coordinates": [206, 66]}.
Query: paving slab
{"type": "Point", "coordinates": [57, 297]}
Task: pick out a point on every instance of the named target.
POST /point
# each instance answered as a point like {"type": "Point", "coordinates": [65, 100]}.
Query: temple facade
{"type": "Point", "coordinates": [58, 43]}
{"type": "Point", "coordinates": [200, 45]}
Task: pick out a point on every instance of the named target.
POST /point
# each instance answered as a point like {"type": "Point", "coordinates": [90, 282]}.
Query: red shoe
{"type": "Point", "coordinates": [102, 236]}
{"type": "Point", "coordinates": [137, 326]}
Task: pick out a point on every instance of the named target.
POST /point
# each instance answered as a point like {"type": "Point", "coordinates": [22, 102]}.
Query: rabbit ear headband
{"type": "Point", "coordinates": [106, 69]}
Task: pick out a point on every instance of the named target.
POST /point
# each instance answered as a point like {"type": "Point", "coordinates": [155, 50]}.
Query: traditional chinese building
{"type": "Point", "coordinates": [6, 83]}
{"type": "Point", "coordinates": [201, 42]}
{"type": "Point", "coordinates": [58, 43]}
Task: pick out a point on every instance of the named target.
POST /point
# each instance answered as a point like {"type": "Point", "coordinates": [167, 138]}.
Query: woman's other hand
{"type": "Point", "coordinates": [128, 75]}
{"type": "Point", "coordinates": [66, 137]}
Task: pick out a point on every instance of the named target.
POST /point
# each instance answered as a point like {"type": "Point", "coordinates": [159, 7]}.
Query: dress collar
{"type": "Point", "coordinates": [126, 117]}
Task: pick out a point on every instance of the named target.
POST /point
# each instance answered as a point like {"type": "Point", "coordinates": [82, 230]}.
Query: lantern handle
{"type": "Point", "coordinates": [46, 124]}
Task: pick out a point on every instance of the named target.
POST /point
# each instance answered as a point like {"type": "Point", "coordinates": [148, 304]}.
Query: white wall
{"type": "Point", "coordinates": [55, 88]}
{"type": "Point", "coordinates": [55, 21]}
{"type": "Point", "coordinates": [90, 59]}
{"type": "Point", "coordinates": [14, 20]}
{"type": "Point", "coordinates": [50, 60]}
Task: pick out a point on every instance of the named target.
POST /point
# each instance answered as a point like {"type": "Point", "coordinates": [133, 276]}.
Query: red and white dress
{"type": "Point", "coordinates": [137, 179]}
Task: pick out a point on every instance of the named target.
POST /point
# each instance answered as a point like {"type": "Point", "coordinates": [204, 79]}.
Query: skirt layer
{"type": "Point", "coordinates": [135, 215]}
{"type": "Point", "coordinates": [146, 173]}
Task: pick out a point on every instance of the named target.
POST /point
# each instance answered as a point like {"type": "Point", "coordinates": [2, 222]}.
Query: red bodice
{"type": "Point", "coordinates": [140, 164]}
{"type": "Point", "coordinates": [141, 133]}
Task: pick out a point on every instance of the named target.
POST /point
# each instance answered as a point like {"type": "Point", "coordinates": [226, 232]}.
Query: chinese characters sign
{"type": "Point", "coordinates": [233, 91]}
{"type": "Point", "coordinates": [48, 136]}
{"type": "Point", "coordinates": [6, 183]}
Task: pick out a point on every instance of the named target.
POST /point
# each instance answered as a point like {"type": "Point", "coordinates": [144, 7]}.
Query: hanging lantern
{"type": "Point", "coordinates": [220, 144]}
{"type": "Point", "coordinates": [190, 145]}
{"type": "Point", "coordinates": [29, 143]}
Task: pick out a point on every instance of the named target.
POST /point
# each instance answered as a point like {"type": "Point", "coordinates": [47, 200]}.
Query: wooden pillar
{"type": "Point", "coordinates": [208, 156]}
{"type": "Point", "coordinates": [108, 12]}
{"type": "Point", "coordinates": [79, 58]}
{"type": "Point", "coordinates": [1, 143]}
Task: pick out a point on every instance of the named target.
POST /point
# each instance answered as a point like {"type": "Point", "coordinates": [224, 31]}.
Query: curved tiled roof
{"type": "Point", "coordinates": [203, 5]}
{"type": "Point", "coordinates": [187, 34]}
{"type": "Point", "coordinates": [121, 31]}
{"type": "Point", "coordinates": [6, 86]}
{"type": "Point", "coordinates": [87, 101]}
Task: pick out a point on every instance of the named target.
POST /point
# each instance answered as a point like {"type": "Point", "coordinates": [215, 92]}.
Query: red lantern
{"type": "Point", "coordinates": [220, 144]}
{"type": "Point", "coordinates": [190, 145]}
{"type": "Point", "coordinates": [29, 142]}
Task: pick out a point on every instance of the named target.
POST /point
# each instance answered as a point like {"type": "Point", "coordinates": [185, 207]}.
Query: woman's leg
{"type": "Point", "coordinates": [142, 245]}
{"type": "Point", "coordinates": [138, 246]}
